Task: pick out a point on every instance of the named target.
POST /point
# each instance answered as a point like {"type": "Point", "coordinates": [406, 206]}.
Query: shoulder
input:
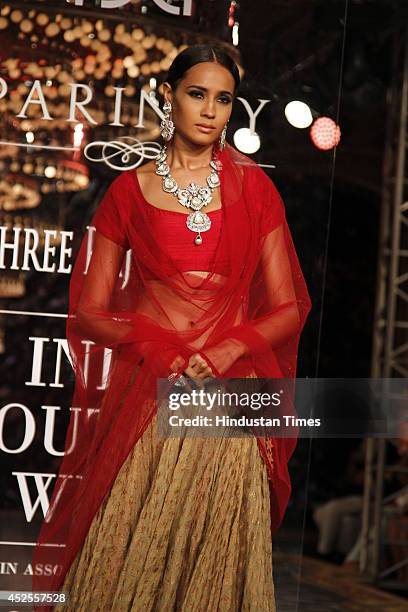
{"type": "Point", "coordinates": [117, 185]}
{"type": "Point", "coordinates": [249, 169]}
{"type": "Point", "coordinates": [145, 173]}
{"type": "Point", "coordinates": [261, 182]}
{"type": "Point", "coordinates": [147, 168]}
{"type": "Point", "coordinates": [118, 193]}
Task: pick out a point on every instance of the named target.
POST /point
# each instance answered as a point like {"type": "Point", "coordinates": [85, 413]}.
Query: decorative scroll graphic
{"type": "Point", "coordinates": [123, 149]}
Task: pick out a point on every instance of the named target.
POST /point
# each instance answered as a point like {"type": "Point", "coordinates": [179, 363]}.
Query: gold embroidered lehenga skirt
{"type": "Point", "coordinates": [185, 527]}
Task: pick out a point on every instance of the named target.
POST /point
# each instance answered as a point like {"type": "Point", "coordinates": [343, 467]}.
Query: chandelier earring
{"type": "Point", "coordinates": [222, 137]}
{"type": "Point", "coordinates": [167, 125]}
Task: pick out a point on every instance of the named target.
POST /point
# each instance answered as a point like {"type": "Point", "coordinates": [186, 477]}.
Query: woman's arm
{"type": "Point", "coordinates": [93, 316]}
{"type": "Point", "coordinates": [282, 318]}
{"type": "Point", "coordinates": [274, 301]}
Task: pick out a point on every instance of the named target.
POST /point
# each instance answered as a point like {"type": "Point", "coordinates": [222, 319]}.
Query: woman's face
{"type": "Point", "coordinates": [204, 96]}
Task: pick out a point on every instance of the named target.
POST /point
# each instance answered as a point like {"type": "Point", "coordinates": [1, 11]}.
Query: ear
{"type": "Point", "coordinates": [167, 92]}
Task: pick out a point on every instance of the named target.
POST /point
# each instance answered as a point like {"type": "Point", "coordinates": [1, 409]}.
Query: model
{"type": "Point", "coordinates": [193, 275]}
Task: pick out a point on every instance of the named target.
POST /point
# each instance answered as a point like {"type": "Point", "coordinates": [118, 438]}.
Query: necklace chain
{"type": "Point", "coordinates": [193, 196]}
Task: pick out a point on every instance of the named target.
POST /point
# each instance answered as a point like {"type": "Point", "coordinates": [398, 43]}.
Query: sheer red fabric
{"type": "Point", "coordinates": [141, 294]}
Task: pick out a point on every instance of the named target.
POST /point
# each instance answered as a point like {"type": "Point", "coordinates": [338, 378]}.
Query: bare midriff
{"type": "Point", "coordinates": [181, 314]}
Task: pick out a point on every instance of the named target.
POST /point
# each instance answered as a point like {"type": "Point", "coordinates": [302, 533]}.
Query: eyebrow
{"type": "Point", "coordinates": [205, 89]}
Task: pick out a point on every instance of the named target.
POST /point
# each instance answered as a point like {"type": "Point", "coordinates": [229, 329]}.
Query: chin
{"type": "Point", "coordinates": [207, 139]}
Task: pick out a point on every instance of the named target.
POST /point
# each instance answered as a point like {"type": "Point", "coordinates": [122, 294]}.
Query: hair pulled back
{"type": "Point", "coordinates": [196, 54]}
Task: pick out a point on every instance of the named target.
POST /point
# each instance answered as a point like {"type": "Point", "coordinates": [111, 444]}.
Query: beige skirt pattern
{"type": "Point", "coordinates": [185, 527]}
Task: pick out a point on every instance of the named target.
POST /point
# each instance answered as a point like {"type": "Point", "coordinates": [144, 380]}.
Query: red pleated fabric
{"type": "Point", "coordinates": [134, 300]}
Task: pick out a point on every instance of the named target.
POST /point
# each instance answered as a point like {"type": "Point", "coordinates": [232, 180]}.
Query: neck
{"type": "Point", "coordinates": [184, 156]}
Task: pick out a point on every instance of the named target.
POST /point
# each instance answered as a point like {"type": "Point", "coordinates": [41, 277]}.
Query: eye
{"type": "Point", "coordinates": [198, 93]}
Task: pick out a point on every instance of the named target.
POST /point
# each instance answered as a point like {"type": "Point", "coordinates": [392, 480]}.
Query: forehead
{"type": "Point", "coordinates": [210, 75]}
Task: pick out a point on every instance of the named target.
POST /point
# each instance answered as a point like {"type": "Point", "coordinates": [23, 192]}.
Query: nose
{"type": "Point", "coordinates": [208, 110]}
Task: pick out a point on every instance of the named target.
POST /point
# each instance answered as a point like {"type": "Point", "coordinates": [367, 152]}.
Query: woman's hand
{"type": "Point", "coordinates": [224, 354]}
{"type": "Point", "coordinates": [220, 357]}
{"type": "Point", "coordinates": [197, 369]}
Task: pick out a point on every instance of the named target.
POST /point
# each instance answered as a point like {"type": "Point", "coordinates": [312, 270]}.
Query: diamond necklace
{"type": "Point", "coordinates": [194, 196]}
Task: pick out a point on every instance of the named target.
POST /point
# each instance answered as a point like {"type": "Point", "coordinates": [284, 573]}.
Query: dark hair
{"type": "Point", "coordinates": [195, 54]}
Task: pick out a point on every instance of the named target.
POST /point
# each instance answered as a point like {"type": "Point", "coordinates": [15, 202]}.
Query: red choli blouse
{"type": "Point", "coordinates": [176, 240]}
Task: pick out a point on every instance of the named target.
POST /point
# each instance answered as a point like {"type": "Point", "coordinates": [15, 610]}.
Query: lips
{"type": "Point", "coordinates": [203, 125]}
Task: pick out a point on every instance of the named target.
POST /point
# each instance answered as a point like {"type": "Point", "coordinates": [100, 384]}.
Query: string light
{"type": "Point", "coordinates": [78, 134]}
{"type": "Point", "coordinates": [50, 172]}
{"type": "Point", "coordinates": [325, 133]}
{"type": "Point", "coordinates": [233, 22]}
{"type": "Point", "coordinates": [235, 34]}
{"type": "Point", "coordinates": [298, 114]}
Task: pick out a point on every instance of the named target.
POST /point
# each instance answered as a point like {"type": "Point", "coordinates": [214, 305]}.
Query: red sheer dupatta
{"type": "Point", "coordinates": [130, 317]}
